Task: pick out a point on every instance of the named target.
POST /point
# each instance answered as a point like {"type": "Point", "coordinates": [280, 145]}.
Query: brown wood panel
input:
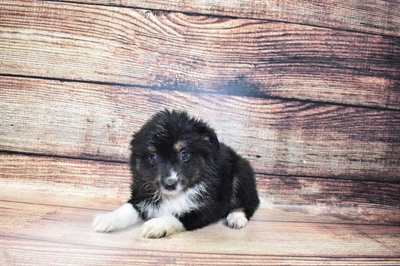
{"type": "Point", "coordinates": [100, 185]}
{"type": "Point", "coordinates": [351, 201]}
{"type": "Point", "coordinates": [259, 240]}
{"type": "Point", "coordinates": [198, 53]}
{"type": "Point", "coordinates": [382, 17]}
{"type": "Point", "coordinates": [279, 137]}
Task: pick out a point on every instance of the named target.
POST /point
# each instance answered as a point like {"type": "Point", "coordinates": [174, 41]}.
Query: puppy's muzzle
{"type": "Point", "coordinates": [171, 182]}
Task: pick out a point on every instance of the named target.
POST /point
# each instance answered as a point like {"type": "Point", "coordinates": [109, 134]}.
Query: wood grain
{"type": "Point", "coordinates": [64, 182]}
{"type": "Point", "coordinates": [356, 201]}
{"type": "Point", "coordinates": [316, 110]}
{"type": "Point", "coordinates": [22, 251]}
{"type": "Point", "coordinates": [198, 53]}
{"type": "Point", "coordinates": [99, 185]}
{"type": "Point", "coordinates": [82, 120]}
{"type": "Point", "coordinates": [381, 17]}
{"type": "Point", "coordinates": [258, 242]}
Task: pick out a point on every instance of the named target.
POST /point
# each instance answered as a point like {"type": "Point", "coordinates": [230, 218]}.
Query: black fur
{"type": "Point", "coordinates": [198, 158]}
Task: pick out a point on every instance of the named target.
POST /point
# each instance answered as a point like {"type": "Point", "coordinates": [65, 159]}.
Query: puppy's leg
{"type": "Point", "coordinates": [124, 216]}
{"type": "Point", "coordinates": [236, 219]}
{"type": "Point", "coordinates": [245, 198]}
{"type": "Point", "coordinates": [162, 226]}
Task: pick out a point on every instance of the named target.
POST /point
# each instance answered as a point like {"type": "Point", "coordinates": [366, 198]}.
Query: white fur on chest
{"type": "Point", "coordinates": [175, 204]}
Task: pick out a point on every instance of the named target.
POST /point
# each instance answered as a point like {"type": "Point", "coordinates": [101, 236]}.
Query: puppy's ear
{"type": "Point", "coordinates": [211, 139]}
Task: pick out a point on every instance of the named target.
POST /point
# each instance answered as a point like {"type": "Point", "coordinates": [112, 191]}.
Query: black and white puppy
{"type": "Point", "coordinates": [183, 179]}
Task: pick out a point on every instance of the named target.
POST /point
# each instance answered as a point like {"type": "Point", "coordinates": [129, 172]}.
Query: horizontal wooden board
{"type": "Point", "coordinates": [258, 242]}
{"type": "Point", "coordinates": [64, 182]}
{"type": "Point", "coordinates": [101, 185]}
{"type": "Point", "coordinates": [23, 251]}
{"type": "Point", "coordinates": [381, 17]}
{"type": "Point", "coordinates": [82, 120]}
{"type": "Point", "coordinates": [198, 53]}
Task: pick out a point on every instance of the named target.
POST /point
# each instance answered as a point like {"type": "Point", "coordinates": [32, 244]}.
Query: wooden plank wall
{"type": "Point", "coordinates": [308, 91]}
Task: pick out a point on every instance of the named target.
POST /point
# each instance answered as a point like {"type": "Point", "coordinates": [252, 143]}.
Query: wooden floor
{"type": "Point", "coordinates": [47, 207]}
{"type": "Point", "coordinates": [38, 234]}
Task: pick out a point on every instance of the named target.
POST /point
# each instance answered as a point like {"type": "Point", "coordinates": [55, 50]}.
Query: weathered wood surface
{"type": "Point", "coordinates": [279, 137]}
{"type": "Point", "coordinates": [22, 251]}
{"type": "Point", "coordinates": [381, 17]}
{"type": "Point", "coordinates": [319, 119]}
{"type": "Point", "coordinates": [103, 185]}
{"type": "Point", "coordinates": [67, 239]}
{"type": "Point", "coordinates": [199, 53]}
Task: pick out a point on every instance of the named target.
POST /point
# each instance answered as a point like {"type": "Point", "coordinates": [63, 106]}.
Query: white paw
{"type": "Point", "coordinates": [121, 218]}
{"type": "Point", "coordinates": [236, 220]}
{"type": "Point", "coordinates": [161, 227]}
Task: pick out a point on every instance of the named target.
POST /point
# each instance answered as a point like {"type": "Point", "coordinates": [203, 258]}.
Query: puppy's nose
{"type": "Point", "coordinates": [170, 184]}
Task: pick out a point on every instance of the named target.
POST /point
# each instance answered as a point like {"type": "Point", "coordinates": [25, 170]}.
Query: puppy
{"type": "Point", "coordinates": [183, 179]}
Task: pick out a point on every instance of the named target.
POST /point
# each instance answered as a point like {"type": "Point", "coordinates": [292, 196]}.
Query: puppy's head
{"type": "Point", "coordinates": [173, 152]}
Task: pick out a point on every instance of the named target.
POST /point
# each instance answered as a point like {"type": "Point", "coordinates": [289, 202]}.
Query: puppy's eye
{"type": "Point", "coordinates": [184, 156]}
{"type": "Point", "coordinates": [152, 158]}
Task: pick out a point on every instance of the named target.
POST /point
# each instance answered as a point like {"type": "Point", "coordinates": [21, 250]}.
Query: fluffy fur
{"type": "Point", "coordinates": [183, 179]}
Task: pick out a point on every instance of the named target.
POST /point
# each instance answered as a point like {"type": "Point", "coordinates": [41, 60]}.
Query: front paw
{"type": "Point", "coordinates": [107, 222]}
{"type": "Point", "coordinates": [236, 220]}
{"type": "Point", "coordinates": [162, 227]}
{"type": "Point", "coordinates": [121, 218]}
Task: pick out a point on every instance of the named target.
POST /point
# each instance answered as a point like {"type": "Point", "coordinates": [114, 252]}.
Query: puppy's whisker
{"type": "Point", "coordinates": [156, 196]}
{"type": "Point", "coordinates": [146, 187]}
{"type": "Point", "coordinates": [202, 191]}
